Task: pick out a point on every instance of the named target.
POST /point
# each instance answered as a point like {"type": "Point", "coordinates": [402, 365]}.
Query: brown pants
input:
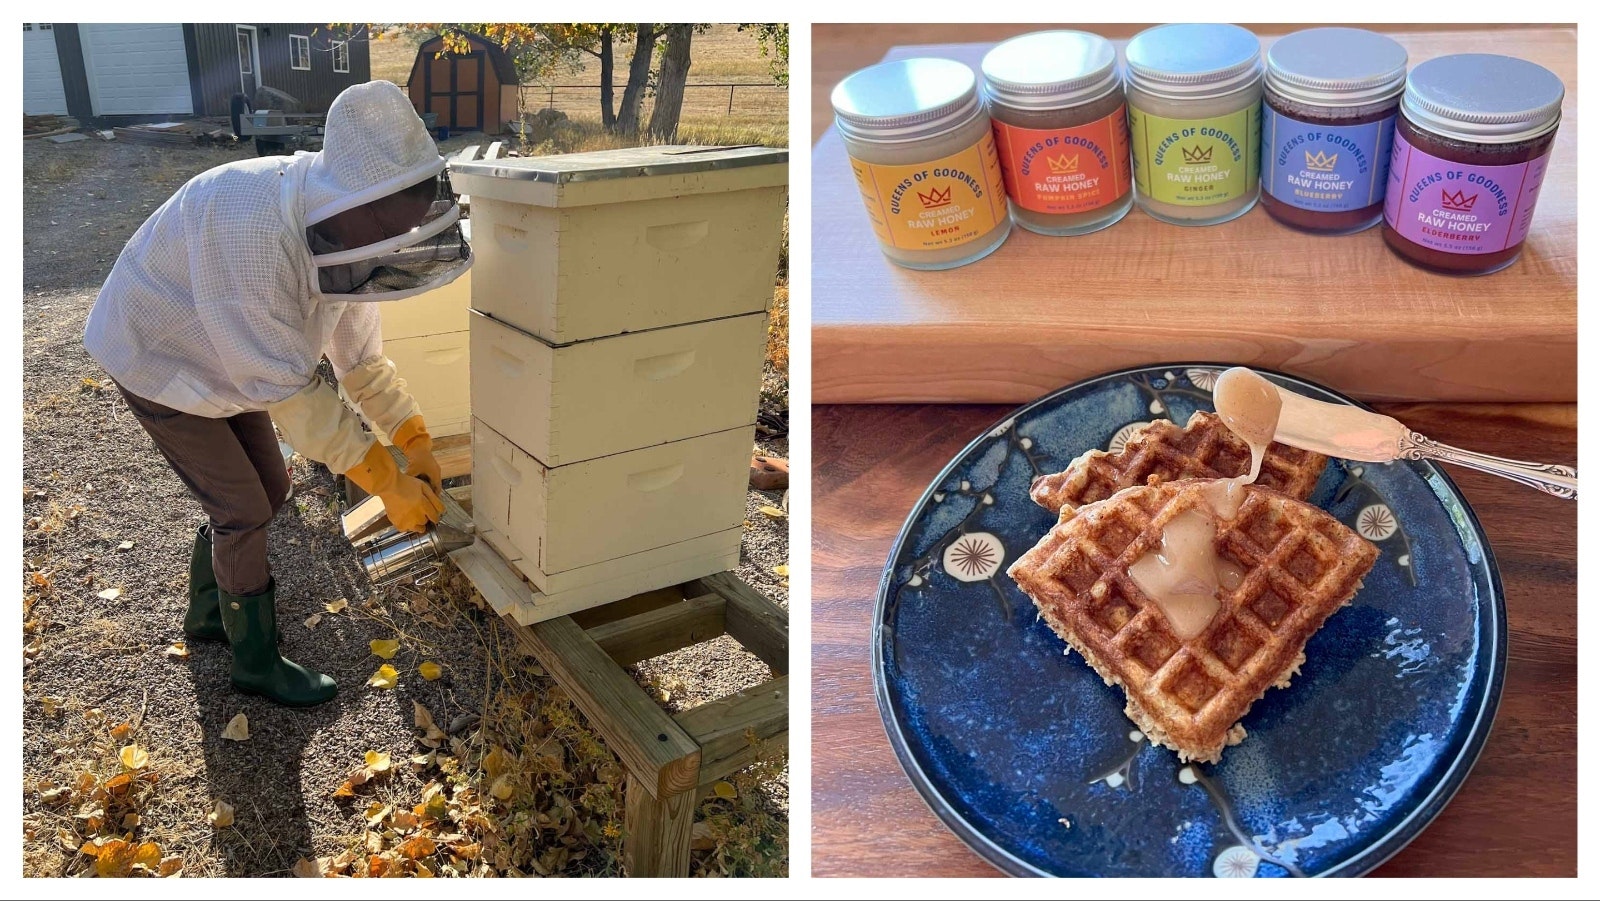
{"type": "Point", "coordinates": [235, 470]}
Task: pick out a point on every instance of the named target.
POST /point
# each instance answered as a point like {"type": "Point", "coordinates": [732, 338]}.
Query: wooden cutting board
{"type": "Point", "coordinates": [1042, 312]}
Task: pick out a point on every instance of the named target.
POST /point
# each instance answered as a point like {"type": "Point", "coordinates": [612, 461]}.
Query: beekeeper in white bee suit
{"type": "Point", "coordinates": [216, 316]}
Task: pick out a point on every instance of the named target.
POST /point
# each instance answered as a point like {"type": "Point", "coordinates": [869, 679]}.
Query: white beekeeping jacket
{"type": "Point", "coordinates": [214, 308]}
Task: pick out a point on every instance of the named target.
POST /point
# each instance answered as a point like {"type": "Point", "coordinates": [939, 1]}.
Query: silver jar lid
{"type": "Point", "coordinates": [1050, 70]}
{"type": "Point", "coordinates": [1336, 67]}
{"type": "Point", "coordinates": [1189, 61]}
{"type": "Point", "coordinates": [906, 100]}
{"type": "Point", "coordinates": [1483, 98]}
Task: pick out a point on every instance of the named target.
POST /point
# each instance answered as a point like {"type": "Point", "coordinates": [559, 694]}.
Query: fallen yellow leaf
{"type": "Point", "coordinates": [503, 788]}
{"type": "Point", "coordinates": [772, 512]}
{"type": "Point", "coordinates": [131, 821]}
{"type": "Point", "coordinates": [336, 606]}
{"type": "Point", "coordinates": [221, 815]}
{"type": "Point", "coordinates": [430, 670]}
{"type": "Point", "coordinates": [170, 866]}
{"type": "Point", "coordinates": [238, 728]}
{"type": "Point", "coordinates": [384, 647]}
{"type": "Point", "coordinates": [782, 569]}
{"type": "Point", "coordinates": [424, 721]}
{"type": "Point", "coordinates": [147, 855]}
{"type": "Point", "coordinates": [417, 846]}
{"type": "Point", "coordinates": [51, 705]}
{"type": "Point", "coordinates": [114, 859]}
{"type": "Point", "coordinates": [177, 649]}
{"type": "Point", "coordinates": [725, 791]}
{"type": "Point", "coordinates": [345, 791]}
{"type": "Point", "coordinates": [378, 761]}
{"type": "Point", "coordinates": [110, 594]}
{"type": "Point", "coordinates": [312, 620]}
{"type": "Point", "coordinates": [386, 677]}
{"type": "Point", "coordinates": [308, 869]}
{"type": "Point", "coordinates": [121, 731]}
{"type": "Point", "coordinates": [376, 813]}
{"type": "Point", "coordinates": [133, 757]}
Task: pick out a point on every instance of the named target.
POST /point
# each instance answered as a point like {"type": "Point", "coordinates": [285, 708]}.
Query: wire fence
{"type": "Point", "coordinates": [700, 99]}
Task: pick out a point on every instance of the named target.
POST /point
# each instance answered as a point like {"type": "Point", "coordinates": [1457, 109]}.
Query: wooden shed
{"type": "Point", "coordinates": [467, 91]}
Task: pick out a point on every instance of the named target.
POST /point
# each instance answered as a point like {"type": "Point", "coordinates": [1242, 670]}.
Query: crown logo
{"type": "Point", "coordinates": [1322, 162]}
{"type": "Point", "coordinates": [1458, 201]}
{"type": "Point", "coordinates": [1196, 155]}
{"type": "Point", "coordinates": [1062, 164]}
{"type": "Point", "coordinates": [937, 199]}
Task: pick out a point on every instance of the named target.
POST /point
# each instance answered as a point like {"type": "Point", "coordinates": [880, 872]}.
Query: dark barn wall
{"type": "Point", "coordinates": [217, 52]}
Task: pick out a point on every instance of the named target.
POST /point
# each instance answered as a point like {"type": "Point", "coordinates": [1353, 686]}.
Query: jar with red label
{"type": "Point", "coordinates": [1470, 151]}
{"type": "Point", "coordinates": [1061, 129]}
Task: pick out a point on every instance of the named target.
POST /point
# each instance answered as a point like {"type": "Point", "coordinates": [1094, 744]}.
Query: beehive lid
{"type": "Point", "coordinates": [597, 176]}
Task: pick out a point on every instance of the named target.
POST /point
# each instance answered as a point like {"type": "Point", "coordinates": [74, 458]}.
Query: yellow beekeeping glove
{"type": "Point", "coordinates": [414, 441]}
{"type": "Point", "coordinates": [410, 502]}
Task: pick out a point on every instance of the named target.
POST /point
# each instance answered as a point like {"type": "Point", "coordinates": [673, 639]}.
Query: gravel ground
{"type": "Point", "coordinates": [92, 481]}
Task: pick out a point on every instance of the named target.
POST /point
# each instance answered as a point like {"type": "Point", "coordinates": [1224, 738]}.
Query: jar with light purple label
{"type": "Point", "coordinates": [1330, 100]}
{"type": "Point", "coordinates": [1470, 152]}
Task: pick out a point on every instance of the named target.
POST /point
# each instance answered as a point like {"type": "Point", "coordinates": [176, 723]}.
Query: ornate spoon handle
{"type": "Point", "coordinates": [1561, 481]}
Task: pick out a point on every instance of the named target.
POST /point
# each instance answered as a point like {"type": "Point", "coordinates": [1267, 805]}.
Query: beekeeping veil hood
{"type": "Point", "coordinates": [375, 146]}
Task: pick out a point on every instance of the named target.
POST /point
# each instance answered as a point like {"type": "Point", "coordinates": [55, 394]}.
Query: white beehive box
{"type": "Point", "coordinates": [438, 374]}
{"type": "Point", "coordinates": [591, 245]}
{"type": "Point", "coordinates": [566, 404]}
{"type": "Point", "coordinates": [559, 525]}
{"type": "Point", "coordinates": [439, 312]}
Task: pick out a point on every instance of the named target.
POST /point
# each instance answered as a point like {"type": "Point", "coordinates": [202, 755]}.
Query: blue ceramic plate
{"type": "Point", "coordinates": [1026, 755]}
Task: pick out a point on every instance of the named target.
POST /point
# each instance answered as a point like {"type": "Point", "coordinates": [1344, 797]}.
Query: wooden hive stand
{"type": "Point", "coordinates": [672, 760]}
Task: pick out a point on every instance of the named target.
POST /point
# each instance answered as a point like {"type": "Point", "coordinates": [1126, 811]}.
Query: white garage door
{"type": "Point", "coordinates": [41, 71]}
{"type": "Point", "coordinates": [136, 69]}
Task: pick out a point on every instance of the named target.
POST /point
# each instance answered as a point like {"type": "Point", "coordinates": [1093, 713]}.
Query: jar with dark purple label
{"type": "Point", "coordinates": [1470, 151]}
{"type": "Point", "coordinates": [1330, 100]}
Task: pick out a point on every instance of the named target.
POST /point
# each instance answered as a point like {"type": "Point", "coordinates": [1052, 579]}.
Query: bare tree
{"type": "Point", "coordinates": [669, 87]}
{"type": "Point", "coordinates": [644, 46]}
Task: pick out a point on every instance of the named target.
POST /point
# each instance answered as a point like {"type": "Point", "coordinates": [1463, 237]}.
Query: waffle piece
{"type": "Point", "coordinates": [1299, 564]}
{"type": "Point", "coordinates": [1162, 452]}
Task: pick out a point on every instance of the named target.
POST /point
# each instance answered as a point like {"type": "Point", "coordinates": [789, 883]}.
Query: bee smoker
{"type": "Point", "coordinates": [392, 557]}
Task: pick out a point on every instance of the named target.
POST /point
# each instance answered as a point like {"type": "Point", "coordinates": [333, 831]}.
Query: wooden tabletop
{"type": "Point", "coordinates": [1041, 311]}
{"type": "Point", "coordinates": [1516, 814]}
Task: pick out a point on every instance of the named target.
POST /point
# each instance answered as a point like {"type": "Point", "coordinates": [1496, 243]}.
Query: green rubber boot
{"type": "Point", "coordinates": [203, 622]}
{"type": "Point", "coordinates": [258, 669]}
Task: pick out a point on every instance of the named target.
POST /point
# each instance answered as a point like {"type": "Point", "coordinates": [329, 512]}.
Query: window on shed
{"type": "Point", "coordinates": [45, 26]}
{"type": "Point", "coordinates": [27, 26]}
{"type": "Point", "coordinates": [341, 56]}
{"type": "Point", "coordinates": [299, 51]}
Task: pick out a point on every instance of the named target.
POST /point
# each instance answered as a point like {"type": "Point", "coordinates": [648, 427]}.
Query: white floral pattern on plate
{"type": "Point", "coordinates": [974, 557]}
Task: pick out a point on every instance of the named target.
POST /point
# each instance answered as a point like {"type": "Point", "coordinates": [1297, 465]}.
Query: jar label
{"type": "Point", "coordinates": [1459, 208]}
{"type": "Point", "coordinates": [1196, 162]}
{"type": "Point", "coordinates": [934, 205]}
{"type": "Point", "coordinates": [1066, 170]}
{"type": "Point", "coordinates": [1325, 168]}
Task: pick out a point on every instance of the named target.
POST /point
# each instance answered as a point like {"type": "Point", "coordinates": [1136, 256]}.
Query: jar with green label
{"type": "Point", "coordinates": [1194, 110]}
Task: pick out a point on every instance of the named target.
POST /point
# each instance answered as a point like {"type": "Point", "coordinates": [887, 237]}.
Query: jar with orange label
{"type": "Point", "coordinates": [923, 152]}
{"type": "Point", "coordinates": [1061, 128]}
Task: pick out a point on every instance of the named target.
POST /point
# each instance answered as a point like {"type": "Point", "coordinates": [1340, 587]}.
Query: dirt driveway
{"type": "Point", "coordinates": [107, 531]}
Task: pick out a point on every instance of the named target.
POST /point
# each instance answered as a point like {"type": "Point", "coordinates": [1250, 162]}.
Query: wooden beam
{"type": "Point", "coordinates": [753, 620]}
{"type": "Point", "coordinates": [723, 727]}
{"type": "Point", "coordinates": [454, 453]}
{"type": "Point", "coordinates": [656, 750]}
{"type": "Point", "coordinates": [639, 603]}
{"type": "Point", "coordinates": [656, 835]}
{"type": "Point", "coordinates": [660, 631]}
